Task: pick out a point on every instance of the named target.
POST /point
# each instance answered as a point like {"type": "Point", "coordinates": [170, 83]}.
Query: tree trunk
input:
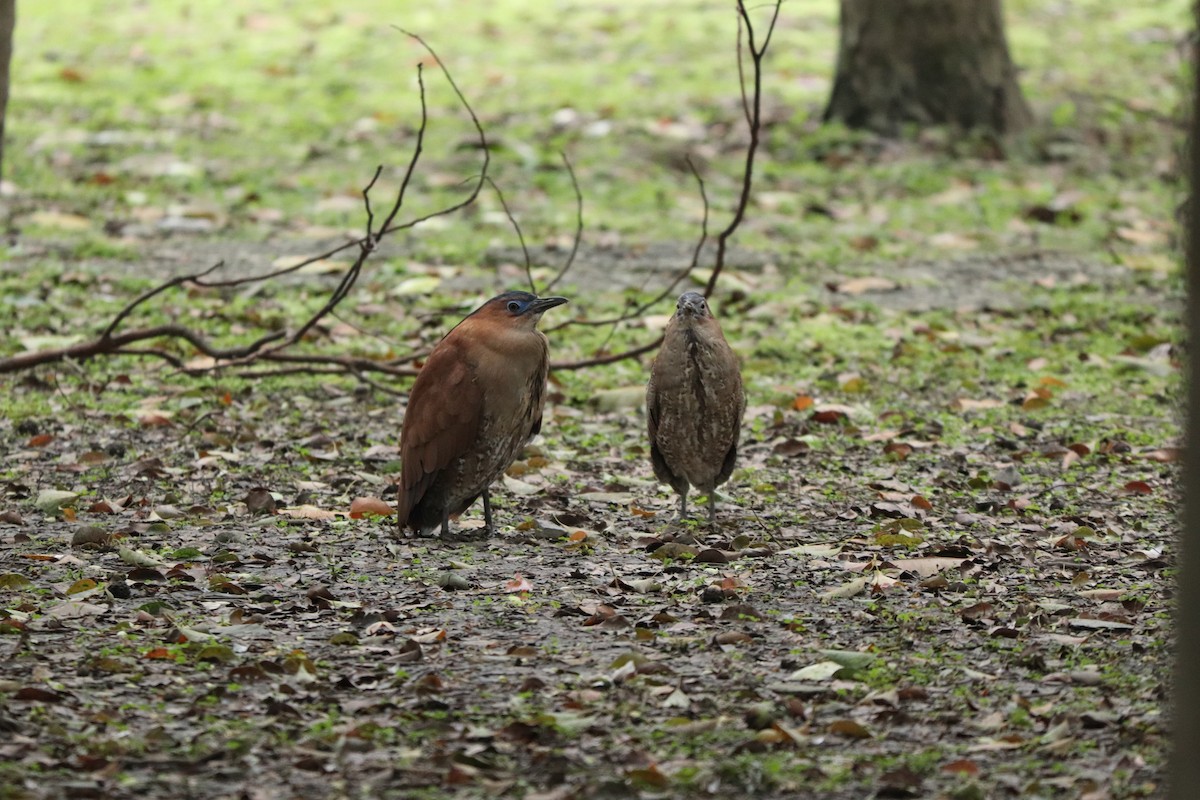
{"type": "Point", "coordinates": [8, 21]}
{"type": "Point", "coordinates": [927, 62]}
{"type": "Point", "coordinates": [1185, 694]}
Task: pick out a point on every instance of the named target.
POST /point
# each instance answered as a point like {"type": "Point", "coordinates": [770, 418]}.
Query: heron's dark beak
{"type": "Point", "coordinates": [545, 303]}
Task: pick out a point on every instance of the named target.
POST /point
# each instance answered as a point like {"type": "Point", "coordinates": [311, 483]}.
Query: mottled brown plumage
{"type": "Point", "coordinates": [475, 404]}
{"type": "Point", "coordinates": [694, 404]}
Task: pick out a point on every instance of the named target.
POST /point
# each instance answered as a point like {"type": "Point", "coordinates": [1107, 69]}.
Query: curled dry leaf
{"type": "Point", "coordinates": [863, 285]}
{"type": "Point", "coordinates": [1037, 398]}
{"type": "Point", "coordinates": [969, 404]}
{"type": "Point", "coordinates": [518, 584]}
{"type": "Point", "coordinates": [90, 535]}
{"type": "Point", "coordinates": [850, 589]}
{"type": "Point", "coordinates": [962, 766]}
{"type": "Point", "coordinates": [648, 778]}
{"type": "Point", "coordinates": [926, 567]}
{"type": "Point", "coordinates": [849, 729]}
{"type": "Point", "coordinates": [137, 558]}
{"type": "Point", "coordinates": [1166, 455]}
{"type": "Point", "coordinates": [14, 580]}
{"type": "Point", "coordinates": [732, 638]}
{"type": "Point", "coordinates": [791, 448]}
{"type": "Point", "coordinates": [364, 506]}
{"type": "Point", "coordinates": [153, 418]}
{"type": "Point", "coordinates": [260, 501]}
{"type": "Point", "coordinates": [51, 500]}
{"type": "Point", "coordinates": [36, 694]}
{"type": "Point", "coordinates": [307, 512]}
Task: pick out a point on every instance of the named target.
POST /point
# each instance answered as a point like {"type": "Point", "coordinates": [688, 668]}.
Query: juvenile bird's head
{"type": "Point", "coordinates": [692, 305]}
{"type": "Point", "coordinates": [516, 309]}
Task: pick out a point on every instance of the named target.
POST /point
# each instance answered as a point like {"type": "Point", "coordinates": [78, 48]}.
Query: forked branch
{"type": "Point", "coordinates": [277, 347]}
{"type": "Point", "coordinates": [752, 108]}
{"type": "Point", "coordinates": [274, 346]}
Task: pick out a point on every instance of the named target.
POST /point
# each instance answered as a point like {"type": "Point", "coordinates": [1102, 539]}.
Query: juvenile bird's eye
{"type": "Point", "coordinates": [513, 306]}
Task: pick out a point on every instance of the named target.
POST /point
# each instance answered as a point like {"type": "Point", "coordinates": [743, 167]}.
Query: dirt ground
{"type": "Point", "coordinates": [209, 620]}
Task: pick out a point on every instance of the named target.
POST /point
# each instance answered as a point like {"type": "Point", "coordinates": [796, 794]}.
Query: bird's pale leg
{"type": "Point", "coordinates": [712, 508]}
{"type": "Point", "coordinates": [487, 512]}
{"type": "Point", "coordinates": [446, 525]}
{"type": "Point", "coordinates": [683, 505]}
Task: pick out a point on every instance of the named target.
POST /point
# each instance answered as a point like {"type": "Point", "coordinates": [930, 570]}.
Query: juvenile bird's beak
{"type": "Point", "coordinates": [545, 303]}
{"type": "Point", "coordinates": [691, 307]}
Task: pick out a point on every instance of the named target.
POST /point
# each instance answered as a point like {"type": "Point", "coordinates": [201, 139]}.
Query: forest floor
{"type": "Point", "coordinates": [942, 567]}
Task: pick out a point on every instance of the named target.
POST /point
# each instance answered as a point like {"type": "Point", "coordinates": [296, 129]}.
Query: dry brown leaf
{"type": "Point", "coordinates": [849, 728]}
{"type": "Point", "coordinates": [307, 512]}
{"type": "Point", "coordinates": [926, 567]}
{"type": "Point", "coordinates": [518, 584]}
{"type": "Point", "coordinates": [968, 404]}
{"type": "Point", "coordinates": [363, 506]}
{"type": "Point", "coordinates": [870, 283]}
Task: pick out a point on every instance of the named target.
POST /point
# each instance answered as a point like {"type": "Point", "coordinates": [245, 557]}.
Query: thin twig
{"type": "Point", "coordinates": [483, 143]}
{"type": "Point", "coordinates": [742, 76]}
{"type": "Point", "coordinates": [157, 290]}
{"type": "Point", "coordinates": [607, 359]}
{"type": "Point", "coordinates": [285, 371]}
{"type": "Point", "coordinates": [118, 343]}
{"type": "Point", "coordinates": [756, 57]}
{"type": "Point", "coordinates": [704, 220]}
{"type": "Point", "coordinates": [418, 147]}
{"type": "Point", "coordinates": [377, 386]}
{"type": "Point", "coordinates": [578, 225]}
{"type": "Point", "coordinates": [520, 236]}
{"type": "Point", "coordinates": [366, 196]}
{"type": "Point", "coordinates": [144, 352]}
{"type": "Point", "coordinates": [348, 363]}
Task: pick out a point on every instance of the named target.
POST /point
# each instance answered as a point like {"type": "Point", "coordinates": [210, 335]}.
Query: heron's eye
{"type": "Point", "coordinates": [513, 306]}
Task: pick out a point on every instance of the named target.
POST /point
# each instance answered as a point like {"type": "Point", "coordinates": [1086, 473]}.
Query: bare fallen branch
{"type": "Point", "coordinates": [611, 358]}
{"type": "Point", "coordinates": [349, 363]}
{"type": "Point", "coordinates": [137, 301]}
{"type": "Point", "coordinates": [368, 243]}
{"type": "Point", "coordinates": [119, 345]}
{"type": "Point", "coordinates": [275, 346]}
{"type": "Point", "coordinates": [271, 345]}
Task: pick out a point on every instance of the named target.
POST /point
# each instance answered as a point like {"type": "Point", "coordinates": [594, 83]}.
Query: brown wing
{"type": "Point", "coordinates": [661, 469]}
{"type": "Point", "coordinates": [652, 402]}
{"type": "Point", "coordinates": [732, 370]}
{"type": "Point", "coordinates": [440, 424]}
